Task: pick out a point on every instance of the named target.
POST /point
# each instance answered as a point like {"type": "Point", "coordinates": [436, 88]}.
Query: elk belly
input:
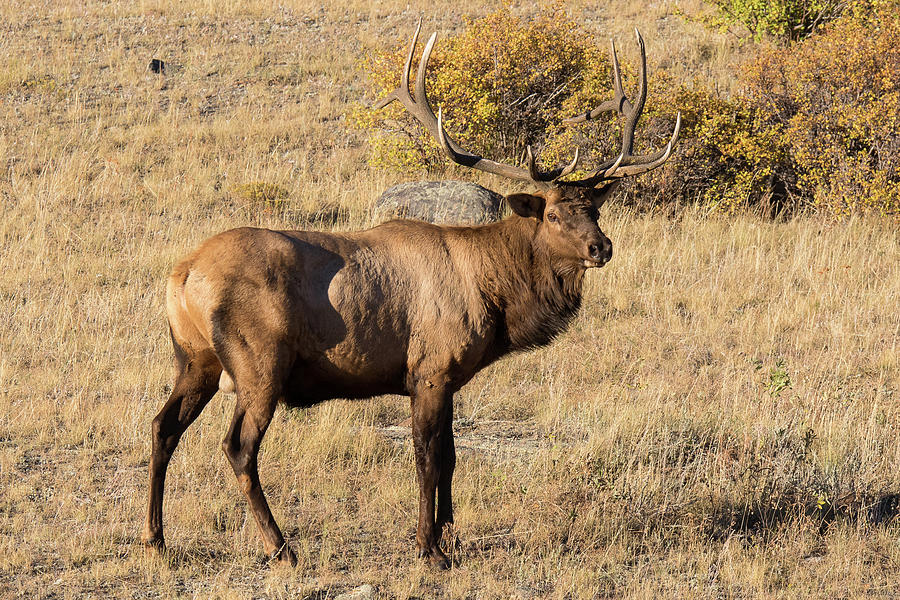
{"type": "Point", "coordinates": [226, 383]}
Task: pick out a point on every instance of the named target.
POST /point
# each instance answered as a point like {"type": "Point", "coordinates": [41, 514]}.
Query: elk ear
{"type": "Point", "coordinates": [600, 195]}
{"type": "Point", "coordinates": [527, 205]}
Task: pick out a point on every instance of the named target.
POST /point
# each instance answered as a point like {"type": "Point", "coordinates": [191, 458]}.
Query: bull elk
{"type": "Point", "coordinates": [405, 308]}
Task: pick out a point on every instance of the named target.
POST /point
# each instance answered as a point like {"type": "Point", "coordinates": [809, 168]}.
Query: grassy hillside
{"type": "Point", "coordinates": [721, 420]}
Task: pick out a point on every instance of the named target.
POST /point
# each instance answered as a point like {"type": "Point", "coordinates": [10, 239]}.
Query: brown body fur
{"type": "Point", "coordinates": [431, 300]}
{"type": "Point", "coordinates": [405, 308]}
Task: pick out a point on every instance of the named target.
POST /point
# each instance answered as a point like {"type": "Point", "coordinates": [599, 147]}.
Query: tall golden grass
{"type": "Point", "coordinates": [720, 421]}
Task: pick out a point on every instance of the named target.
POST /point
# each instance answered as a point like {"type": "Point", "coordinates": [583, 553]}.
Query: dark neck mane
{"type": "Point", "coordinates": [535, 296]}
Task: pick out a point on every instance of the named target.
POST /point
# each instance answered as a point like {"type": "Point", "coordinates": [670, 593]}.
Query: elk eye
{"type": "Point", "coordinates": [551, 216]}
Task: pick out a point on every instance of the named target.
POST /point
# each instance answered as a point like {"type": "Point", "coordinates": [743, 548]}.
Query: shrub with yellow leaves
{"type": "Point", "coordinates": [502, 84]}
{"type": "Point", "coordinates": [816, 127]}
{"type": "Point", "coordinates": [834, 102]}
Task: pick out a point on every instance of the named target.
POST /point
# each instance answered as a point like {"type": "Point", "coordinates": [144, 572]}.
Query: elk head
{"type": "Point", "coordinates": [567, 209]}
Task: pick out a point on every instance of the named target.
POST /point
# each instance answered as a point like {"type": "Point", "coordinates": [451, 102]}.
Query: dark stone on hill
{"type": "Point", "coordinates": [450, 202]}
{"type": "Point", "coordinates": [157, 66]}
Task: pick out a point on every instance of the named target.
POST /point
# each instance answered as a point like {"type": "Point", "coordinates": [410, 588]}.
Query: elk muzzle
{"type": "Point", "coordinates": [599, 252]}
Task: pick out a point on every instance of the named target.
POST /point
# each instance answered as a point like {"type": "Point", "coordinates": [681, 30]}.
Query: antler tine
{"type": "Point", "coordinates": [450, 147]}
{"type": "Point", "coordinates": [612, 168]}
{"type": "Point", "coordinates": [447, 145]}
{"type": "Point", "coordinates": [619, 102]}
{"type": "Point", "coordinates": [421, 96]}
{"type": "Point", "coordinates": [571, 166]}
{"type": "Point", "coordinates": [626, 164]}
{"type": "Point", "coordinates": [642, 164]}
{"type": "Point", "coordinates": [403, 90]}
{"type": "Point", "coordinates": [617, 75]}
{"type": "Point", "coordinates": [532, 165]}
{"type": "Point", "coordinates": [420, 108]}
{"type": "Point", "coordinates": [634, 113]}
{"type": "Point", "coordinates": [555, 174]}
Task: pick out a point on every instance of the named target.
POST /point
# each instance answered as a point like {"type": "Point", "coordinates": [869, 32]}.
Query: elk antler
{"type": "Point", "coordinates": [421, 110]}
{"type": "Point", "coordinates": [626, 164]}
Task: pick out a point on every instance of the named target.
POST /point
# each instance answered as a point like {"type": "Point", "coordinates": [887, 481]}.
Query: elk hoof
{"type": "Point", "coordinates": [285, 556]}
{"type": "Point", "coordinates": [436, 558]}
{"type": "Point", "coordinates": [154, 545]}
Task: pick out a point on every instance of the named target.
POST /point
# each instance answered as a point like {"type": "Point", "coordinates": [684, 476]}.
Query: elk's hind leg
{"type": "Point", "coordinates": [252, 415]}
{"type": "Point", "coordinates": [197, 382]}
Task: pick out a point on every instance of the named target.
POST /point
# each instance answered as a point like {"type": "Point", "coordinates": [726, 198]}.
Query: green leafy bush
{"type": "Point", "coordinates": [787, 19]}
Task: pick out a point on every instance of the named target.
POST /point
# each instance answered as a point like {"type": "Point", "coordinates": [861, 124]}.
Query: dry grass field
{"type": "Point", "coordinates": [721, 420]}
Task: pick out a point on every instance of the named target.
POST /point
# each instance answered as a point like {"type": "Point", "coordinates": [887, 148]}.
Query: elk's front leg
{"type": "Point", "coordinates": [432, 416]}
{"type": "Point", "coordinates": [445, 481]}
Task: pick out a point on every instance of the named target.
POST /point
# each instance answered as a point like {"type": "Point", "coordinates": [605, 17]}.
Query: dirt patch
{"type": "Point", "coordinates": [501, 440]}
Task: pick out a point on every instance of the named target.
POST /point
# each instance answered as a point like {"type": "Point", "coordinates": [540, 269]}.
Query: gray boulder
{"type": "Point", "coordinates": [449, 202]}
{"type": "Point", "coordinates": [363, 592]}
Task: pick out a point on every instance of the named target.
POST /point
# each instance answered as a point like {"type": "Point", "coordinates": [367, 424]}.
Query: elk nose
{"type": "Point", "coordinates": [601, 251]}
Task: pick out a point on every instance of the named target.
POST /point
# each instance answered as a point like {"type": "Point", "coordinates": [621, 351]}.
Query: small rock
{"type": "Point", "coordinates": [444, 202]}
{"type": "Point", "coordinates": [363, 592]}
{"type": "Point", "coordinates": [157, 66]}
